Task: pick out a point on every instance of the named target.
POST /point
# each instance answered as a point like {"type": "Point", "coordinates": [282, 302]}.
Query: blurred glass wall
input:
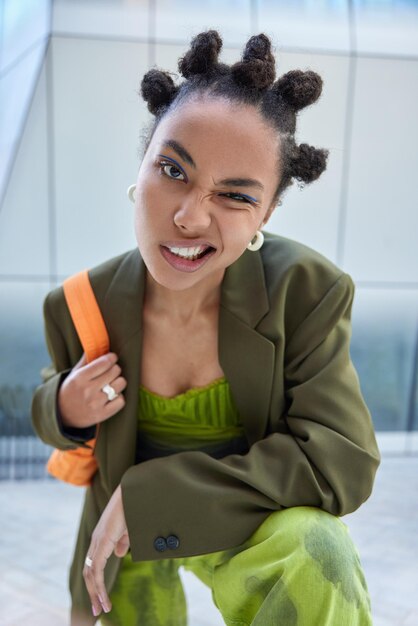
{"type": "Point", "coordinates": [24, 32]}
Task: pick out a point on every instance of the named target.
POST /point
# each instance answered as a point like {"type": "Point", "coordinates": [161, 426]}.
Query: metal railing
{"type": "Point", "coordinates": [22, 455]}
{"type": "Point", "coordinates": [23, 458]}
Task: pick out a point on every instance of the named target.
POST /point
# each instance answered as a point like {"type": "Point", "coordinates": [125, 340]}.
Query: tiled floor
{"type": "Point", "coordinates": [38, 524]}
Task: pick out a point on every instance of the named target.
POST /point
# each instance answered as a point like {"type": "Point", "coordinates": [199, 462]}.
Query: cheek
{"type": "Point", "coordinates": [235, 237]}
{"type": "Point", "coordinates": [149, 220]}
{"type": "Point", "coordinates": [141, 220]}
{"type": "Point", "coordinates": [240, 227]}
{"type": "Point", "coordinates": [153, 194]}
{"type": "Point", "coordinates": [145, 201]}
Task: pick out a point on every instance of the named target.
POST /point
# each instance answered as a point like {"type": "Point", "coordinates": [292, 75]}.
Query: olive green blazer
{"type": "Point", "coordinates": [284, 338]}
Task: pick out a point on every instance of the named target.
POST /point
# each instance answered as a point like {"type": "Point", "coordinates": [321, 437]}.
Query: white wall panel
{"type": "Point", "coordinates": [123, 18]}
{"type": "Point", "coordinates": [307, 25]}
{"type": "Point", "coordinates": [310, 214]}
{"type": "Point", "coordinates": [24, 247]}
{"type": "Point", "coordinates": [180, 20]}
{"type": "Point", "coordinates": [97, 120]}
{"type": "Point", "coordinates": [389, 28]}
{"type": "Point", "coordinates": [382, 220]}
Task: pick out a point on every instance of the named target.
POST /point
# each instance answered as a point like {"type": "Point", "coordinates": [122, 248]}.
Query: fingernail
{"type": "Point", "coordinates": [104, 606]}
{"type": "Point", "coordinates": [94, 611]}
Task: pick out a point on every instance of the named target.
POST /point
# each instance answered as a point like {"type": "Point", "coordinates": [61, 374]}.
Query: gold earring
{"type": "Point", "coordinates": [256, 242]}
{"type": "Point", "coordinates": [131, 193]}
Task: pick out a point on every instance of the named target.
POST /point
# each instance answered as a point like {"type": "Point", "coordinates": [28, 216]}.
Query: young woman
{"type": "Point", "coordinates": [236, 433]}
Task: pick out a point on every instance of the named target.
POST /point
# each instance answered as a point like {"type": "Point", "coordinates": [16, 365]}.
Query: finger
{"type": "Point", "coordinates": [102, 408]}
{"type": "Point", "coordinates": [108, 377]}
{"type": "Point", "coordinates": [100, 365]}
{"type": "Point", "coordinates": [118, 384]}
{"type": "Point", "coordinates": [94, 575]}
{"type": "Point", "coordinates": [96, 605]}
{"type": "Point", "coordinates": [113, 407]}
{"type": "Point", "coordinates": [81, 363]}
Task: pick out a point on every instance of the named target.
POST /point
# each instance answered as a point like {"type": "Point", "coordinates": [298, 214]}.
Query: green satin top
{"type": "Point", "coordinates": [201, 418]}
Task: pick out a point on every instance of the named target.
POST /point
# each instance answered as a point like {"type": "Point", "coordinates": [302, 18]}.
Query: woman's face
{"type": "Point", "coordinates": [204, 187]}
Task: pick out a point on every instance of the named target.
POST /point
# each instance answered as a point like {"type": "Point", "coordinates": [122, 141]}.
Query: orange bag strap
{"type": "Point", "coordinates": [78, 466]}
{"type": "Point", "coordinates": [86, 315]}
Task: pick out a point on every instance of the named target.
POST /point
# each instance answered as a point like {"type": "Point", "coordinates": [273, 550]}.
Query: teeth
{"type": "Point", "coordinates": [187, 253]}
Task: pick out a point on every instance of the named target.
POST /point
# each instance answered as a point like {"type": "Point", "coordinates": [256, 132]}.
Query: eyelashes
{"type": "Point", "coordinates": [241, 196]}
{"type": "Point", "coordinates": [171, 169]}
{"type": "Point", "coordinates": [166, 168]}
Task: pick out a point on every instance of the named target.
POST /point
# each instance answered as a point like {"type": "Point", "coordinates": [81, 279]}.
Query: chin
{"type": "Point", "coordinates": [169, 278]}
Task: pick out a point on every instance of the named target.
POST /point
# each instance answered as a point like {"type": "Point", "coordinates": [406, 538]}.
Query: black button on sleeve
{"type": "Point", "coordinates": [160, 544]}
{"type": "Point", "coordinates": [173, 542]}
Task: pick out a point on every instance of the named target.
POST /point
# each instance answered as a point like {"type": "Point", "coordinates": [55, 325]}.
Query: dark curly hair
{"type": "Point", "coordinates": [251, 81]}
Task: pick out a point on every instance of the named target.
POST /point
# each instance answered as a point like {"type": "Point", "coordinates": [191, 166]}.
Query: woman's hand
{"type": "Point", "coordinates": [81, 399]}
{"type": "Point", "coordinates": [110, 535]}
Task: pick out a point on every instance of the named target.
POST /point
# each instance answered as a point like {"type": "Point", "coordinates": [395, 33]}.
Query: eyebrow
{"type": "Point", "coordinates": [240, 182]}
{"type": "Point", "coordinates": [181, 151]}
{"type": "Point", "coordinates": [227, 182]}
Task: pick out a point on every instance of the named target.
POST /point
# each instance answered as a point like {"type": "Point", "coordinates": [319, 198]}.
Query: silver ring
{"type": "Point", "coordinates": [110, 392]}
{"type": "Point", "coordinates": [88, 561]}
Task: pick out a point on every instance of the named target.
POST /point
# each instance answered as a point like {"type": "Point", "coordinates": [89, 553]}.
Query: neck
{"type": "Point", "coordinates": [187, 303]}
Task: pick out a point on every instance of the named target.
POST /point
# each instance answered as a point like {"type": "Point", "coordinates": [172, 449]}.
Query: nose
{"type": "Point", "coordinates": [193, 214]}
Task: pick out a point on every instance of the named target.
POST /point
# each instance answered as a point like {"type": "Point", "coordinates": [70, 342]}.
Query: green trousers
{"type": "Point", "coordinates": [300, 568]}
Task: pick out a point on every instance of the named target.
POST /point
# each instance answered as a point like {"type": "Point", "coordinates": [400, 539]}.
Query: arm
{"type": "Point", "coordinates": [327, 456]}
{"type": "Point", "coordinates": [327, 414]}
{"type": "Point", "coordinates": [72, 392]}
{"type": "Point", "coordinates": [45, 414]}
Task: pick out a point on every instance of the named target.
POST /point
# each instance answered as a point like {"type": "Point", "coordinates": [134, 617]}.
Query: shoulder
{"type": "Point", "coordinates": [100, 275]}
{"type": "Point", "coordinates": [298, 278]}
{"type": "Point", "coordinates": [288, 263]}
{"type": "Point", "coordinates": [109, 268]}
{"type": "Point", "coordinates": [286, 257]}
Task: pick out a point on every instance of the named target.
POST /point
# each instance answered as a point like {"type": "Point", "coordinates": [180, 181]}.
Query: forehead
{"type": "Point", "coordinates": [221, 134]}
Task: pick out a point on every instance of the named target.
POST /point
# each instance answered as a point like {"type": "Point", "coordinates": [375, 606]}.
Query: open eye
{"type": "Point", "coordinates": [171, 171]}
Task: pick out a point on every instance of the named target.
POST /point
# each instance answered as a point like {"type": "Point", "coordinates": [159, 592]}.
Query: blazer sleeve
{"type": "Point", "coordinates": [45, 413]}
{"type": "Point", "coordinates": [326, 457]}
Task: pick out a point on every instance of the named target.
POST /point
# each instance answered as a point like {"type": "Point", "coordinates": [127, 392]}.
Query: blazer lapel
{"type": "Point", "coordinates": [246, 356]}
{"type": "Point", "coordinates": [122, 311]}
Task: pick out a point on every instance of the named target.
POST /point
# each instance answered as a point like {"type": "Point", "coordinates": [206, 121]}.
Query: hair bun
{"type": "Point", "coordinates": [258, 47]}
{"type": "Point", "coordinates": [308, 162]}
{"type": "Point", "coordinates": [157, 89]}
{"type": "Point", "coordinates": [257, 67]}
{"type": "Point", "coordinates": [203, 54]}
{"type": "Point", "coordinates": [298, 88]}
